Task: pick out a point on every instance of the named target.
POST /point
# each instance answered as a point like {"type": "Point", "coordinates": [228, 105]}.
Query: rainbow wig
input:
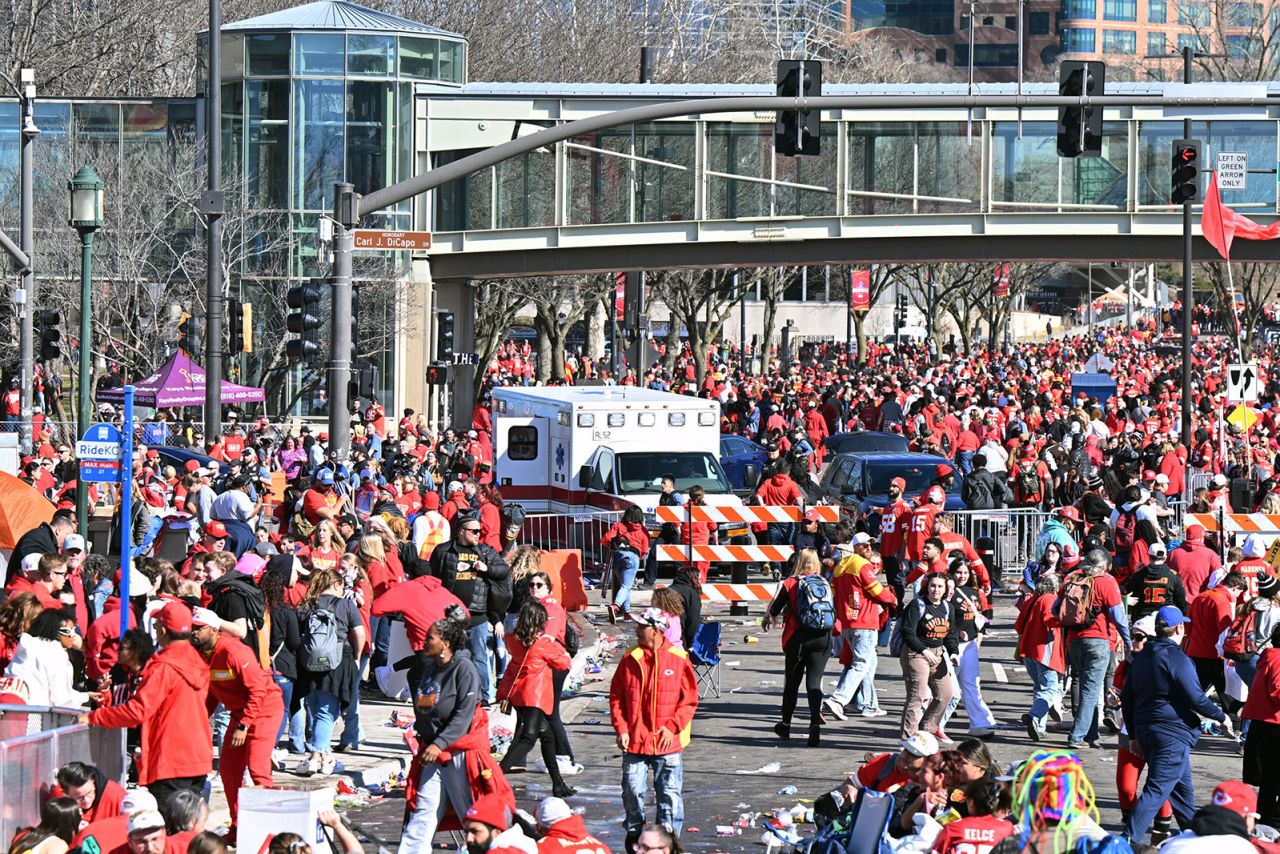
{"type": "Point", "coordinates": [1051, 794]}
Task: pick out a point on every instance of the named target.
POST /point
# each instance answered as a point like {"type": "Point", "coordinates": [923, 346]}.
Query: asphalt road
{"type": "Point", "coordinates": [733, 738]}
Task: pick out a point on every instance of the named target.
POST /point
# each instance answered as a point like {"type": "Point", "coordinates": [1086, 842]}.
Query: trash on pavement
{"type": "Point", "coordinates": [770, 768]}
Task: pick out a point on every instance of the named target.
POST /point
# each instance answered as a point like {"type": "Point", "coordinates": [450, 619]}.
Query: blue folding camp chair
{"type": "Point", "coordinates": [705, 656]}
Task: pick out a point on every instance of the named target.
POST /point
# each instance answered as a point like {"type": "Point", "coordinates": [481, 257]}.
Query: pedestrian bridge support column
{"type": "Point", "coordinates": [458, 296]}
{"type": "Point", "coordinates": [415, 341]}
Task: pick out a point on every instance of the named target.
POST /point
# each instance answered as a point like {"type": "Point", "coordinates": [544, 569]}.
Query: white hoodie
{"type": "Point", "coordinates": [45, 668]}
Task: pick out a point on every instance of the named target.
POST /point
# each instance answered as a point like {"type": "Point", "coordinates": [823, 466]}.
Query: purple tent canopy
{"type": "Point", "coordinates": [179, 382]}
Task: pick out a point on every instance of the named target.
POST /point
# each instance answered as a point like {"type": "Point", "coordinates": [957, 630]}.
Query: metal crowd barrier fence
{"type": "Point", "coordinates": [37, 740]}
{"type": "Point", "coordinates": [1012, 532]}
{"type": "Point", "coordinates": [581, 531]}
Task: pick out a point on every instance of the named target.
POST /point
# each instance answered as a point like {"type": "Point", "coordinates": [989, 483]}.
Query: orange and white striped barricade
{"type": "Point", "coordinates": [738, 592]}
{"type": "Point", "coordinates": [1239, 523]}
{"type": "Point", "coordinates": [745, 514]}
{"type": "Point", "coordinates": [726, 554]}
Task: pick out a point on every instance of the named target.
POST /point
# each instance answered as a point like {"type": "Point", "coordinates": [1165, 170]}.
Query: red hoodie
{"type": "Point", "coordinates": [102, 641]}
{"type": "Point", "coordinates": [238, 682]}
{"type": "Point", "coordinates": [169, 705]}
{"type": "Point", "coordinates": [421, 601]}
{"type": "Point", "coordinates": [569, 836]}
{"type": "Point", "coordinates": [1264, 698]}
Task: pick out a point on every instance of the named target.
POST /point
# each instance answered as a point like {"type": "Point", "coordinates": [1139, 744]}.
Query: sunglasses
{"type": "Point", "coordinates": [537, 585]}
{"type": "Point", "coordinates": [470, 530]}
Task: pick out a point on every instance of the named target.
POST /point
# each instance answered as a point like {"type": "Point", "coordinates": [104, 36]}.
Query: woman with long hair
{"type": "Point", "coordinates": [525, 563]}
{"type": "Point", "coordinates": [1262, 713]}
{"type": "Point", "coordinates": [1042, 648]}
{"type": "Point", "coordinates": [560, 627]}
{"type": "Point", "coordinates": [805, 650]}
{"type": "Point", "coordinates": [630, 543]}
{"type": "Point", "coordinates": [42, 663]}
{"type": "Point", "coordinates": [327, 691]}
{"type": "Point", "coordinates": [490, 509]}
{"type": "Point", "coordinates": [689, 589]}
{"type": "Point", "coordinates": [527, 686]}
{"type": "Point", "coordinates": [672, 604]}
{"type": "Point", "coordinates": [930, 644]}
{"type": "Point", "coordinates": [292, 458]}
{"type": "Point", "coordinates": [59, 823]}
{"type": "Point", "coordinates": [285, 641]}
{"type": "Point", "coordinates": [327, 547]}
{"type": "Point", "coordinates": [971, 626]}
{"type": "Point", "coordinates": [16, 616]}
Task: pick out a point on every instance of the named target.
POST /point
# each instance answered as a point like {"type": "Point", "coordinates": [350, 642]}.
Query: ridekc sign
{"type": "Point", "coordinates": [374, 239]}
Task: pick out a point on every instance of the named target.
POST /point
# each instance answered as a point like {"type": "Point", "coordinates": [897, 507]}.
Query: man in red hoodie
{"type": "Point", "coordinates": [1211, 613]}
{"type": "Point", "coordinates": [421, 602]}
{"type": "Point", "coordinates": [169, 705]}
{"type": "Point", "coordinates": [563, 832]}
{"type": "Point", "coordinates": [239, 684]}
{"type": "Point", "coordinates": [652, 699]}
{"type": "Point", "coordinates": [1193, 562]}
{"type": "Point", "coordinates": [861, 606]}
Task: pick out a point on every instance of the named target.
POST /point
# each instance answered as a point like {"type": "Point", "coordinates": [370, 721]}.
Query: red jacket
{"type": "Point", "coordinates": [652, 689]}
{"type": "Point", "coordinates": [780, 491]}
{"type": "Point", "coordinates": [169, 705]}
{"type": "Point", "coordinates": [1210, 612]}
{"type": "Point", "coordinates": [491, 525]}
{"type": "Point", "coordinates": [859, 595]}
{"type": "Point", "coordinates": [382, 575]}
{"type": "Point", "coordinates": [569, 836]}
{"type": "Point", "coordinates": [108, 804]}
{"type": "Point", "coordinates": [1264, 694]}
{"type": "Point", "coordinates": [483, 774]}
{"type": "Point", "coordinates": [238, 682]}
{"type": "Point", "coordinates": [632, 534]}
{"type": "Point", "coordinates": [1040, 633]}
{"type": "Point", "coordinates": [527, 679]}
{"type": "Point", "coordinates": [102, 641]}
{"type": "Point", "coordinates": [1194, 563]}
{"type": "Point", "coordinates": [421, 602]}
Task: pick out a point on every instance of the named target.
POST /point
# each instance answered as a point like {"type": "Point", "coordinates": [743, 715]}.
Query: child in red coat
{"type": "Point", "coordinates": [527, 686]}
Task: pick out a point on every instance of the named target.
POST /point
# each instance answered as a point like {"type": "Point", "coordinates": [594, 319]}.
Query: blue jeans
{"type": "Point", "coordinates": [381, 628]}
{"type": "Point", "coordinates": [668, 781]}
{"type": "Point", "coordinates": [626, 565]}
{"type": "Point", "coordinates": [1089, 657]}
{"type": "Point", "coordinates": [862, 670]}
{"type": "Point", "coordinates": [964, 461]}
{"type": "Point", "coordinates": [478, 646]}
{"type": "Point", "coordinates": [1168, 779]}
{"type": "Point", "coordinates": [1047, 690]}
{"type": "Point", "coordinates": [324, 710]}
{"type": "Point", "coordinates": [294, 724]}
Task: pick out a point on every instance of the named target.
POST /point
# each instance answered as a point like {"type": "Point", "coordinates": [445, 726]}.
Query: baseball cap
{"type": "Point", "coordinates": [215, 529]}
{"type": "Point", "coordinates": [1170, 616]}
{"type": "Point", "coordinates": [31, 563]}
{"type": "Point", "coordinates": [944, 470]}
{"type": "Point", "coordinates": [205, 617]}
{"type": "Point", "coordinates": [1147, 625]}
{"type": "Point", "coordinates": [1237, 796]}
{"type": "Point", "coordinates": [1254, 546]}
{"type": "Point", "coordinates": [454, 486]}
{"type": "Point", "coordinates": [1157, 550]}
{"type": "Point", "coordinates": [490, 810]}
{"type": "Point", "coordinates": [812, 515]}
{"type": "Point", "coordinates": [921, 744]}
{"type": "Point", "coordinates": [653, 618]}
{"type": "Point", "coordinates": [201, 471]}
{"type": "Point", "coordinates": [73, 542]}
{"type": "Point", "coordinates": [191, 465]}
{"type": "Point", "coordinates": [899, 482]}
{"type": "Point", "coordinates": [325, 476]}
{"type": "Point", "coordinates": [552, 810]}
{"type": "Point", "coordinates": [1195, 532]}
{"type": "Point", "coordinates": [861, 538]}
{"type": "Point", "coordinates": [145, 820]}
{"type": "Point", "coordinates": [137, 800]}
{"type": "Point", "coordinates": [1219, 480]}
{"type": "Point", "coordinates": [175, 617]}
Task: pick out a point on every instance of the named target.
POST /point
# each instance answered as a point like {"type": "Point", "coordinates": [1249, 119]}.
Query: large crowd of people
{"type": "Point", "coordinates": [254, 639]}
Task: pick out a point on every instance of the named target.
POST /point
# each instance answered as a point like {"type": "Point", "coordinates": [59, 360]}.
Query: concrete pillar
{"type": "Point", "coordinates": [415, 342]}
{"type": "Point", "coordinates": [458, 296]}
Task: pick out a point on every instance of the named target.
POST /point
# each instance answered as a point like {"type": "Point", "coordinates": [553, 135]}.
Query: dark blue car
{"type": "Point", "coordinates": [736, 453]}
{"type": "Point", "coordinates": [859, 482]}
{"type": "Point", "coordinates": [866, 442]}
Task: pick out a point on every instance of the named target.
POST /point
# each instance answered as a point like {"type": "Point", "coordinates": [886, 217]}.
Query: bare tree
{"type": "Point", "coordinates": [1258, 286]}
{"type": "Point", "coordinates": [700, 300]}
{"type": "Point", "coordinates": [559, 302]}
{"type": "Point", "coordinates": [497, 304]}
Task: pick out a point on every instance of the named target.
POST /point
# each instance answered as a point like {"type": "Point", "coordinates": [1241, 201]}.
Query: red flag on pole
{"type": "Point", "coordinates": [1002, 280]}
{"type": "Point", "coordinates": [859, 290]}
{"type": "Point", "coordinates": [1221, 225]}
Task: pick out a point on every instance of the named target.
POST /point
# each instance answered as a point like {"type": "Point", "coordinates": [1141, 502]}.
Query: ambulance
{"type": "Point", "coordinates": [579, 450]}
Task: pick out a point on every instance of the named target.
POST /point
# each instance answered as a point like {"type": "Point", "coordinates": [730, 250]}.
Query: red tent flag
{"type": "Point", "coordinates": [1221, 225]}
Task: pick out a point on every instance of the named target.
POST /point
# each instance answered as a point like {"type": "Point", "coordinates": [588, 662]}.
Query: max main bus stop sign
{"type": "Point", "coordinates": [99, 453]}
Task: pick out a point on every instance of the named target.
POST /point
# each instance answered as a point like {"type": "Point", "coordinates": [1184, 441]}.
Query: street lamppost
{"type": "Point", "coordinates": [86, 191]}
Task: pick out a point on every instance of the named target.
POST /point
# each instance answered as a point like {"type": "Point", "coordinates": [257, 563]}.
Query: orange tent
{"type": "Point", "coordinates": [21, 509]}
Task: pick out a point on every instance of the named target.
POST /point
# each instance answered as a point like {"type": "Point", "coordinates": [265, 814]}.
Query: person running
{"type": "Point", "coordinates": [630, 543]}
{"type": "Point", "coordinates": [805, 604]}
{"type": "Point", "coordinates": [1043, 652]}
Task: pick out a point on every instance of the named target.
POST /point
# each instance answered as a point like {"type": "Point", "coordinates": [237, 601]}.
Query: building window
{"type": "Point", "coordinates": [1078, 41]}
{"type": "Point", "coordinates": [1120, 10]}
{"type": "Point", "coordinates": [940, 55]}
{"type": "Point", "coordinates": [1120, 41]}
{"type": "Point", "coordinates": [1011, 22]}
{"type": "Point", "coordinates": [988, 55]}
{"type": "Point", "coordinates": [522, 443]}
{"type": "Point", "coordinates": [1157, 44]}
{"type": "Point", "coordinates": [1157, 11]}
{"type": "Point", "coordinates": [1190, 40]}
{"type": "Point", "coordinates": [989, 21]}
{"type": "Point", "coordinates": [1244, 14]}
{"type": "Point", "coordinates": [964, 23]}
{"type": "Point", "coordinates": [1039, 23]}
{"type": "Point", "coordinates": [1193, 14]}
{"type": "Point", "coordinates": [1078, 9]}
{"type": "Point", "coordinates": [268, 54]}
{"type": "Point", "coordinates": [1243, 47]}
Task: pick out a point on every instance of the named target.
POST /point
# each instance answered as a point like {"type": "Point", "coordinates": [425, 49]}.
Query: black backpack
{"type": "Point", "coordinates": [236, 587]}
{"type": "Point", "coordinates": [1028, 481]}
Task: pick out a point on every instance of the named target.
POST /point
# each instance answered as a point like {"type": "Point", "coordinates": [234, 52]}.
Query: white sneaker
{"type": "Point", "coordinates": [328, 765]}
{"type": "Point", "coordinates": [380, 676]}
{"type": "Point", "coordinates": [836, 709]}
{"type": "Point", "coordinates": [568, 768]}
{"type": "Point", "coordinates": [875, 713]}
{"type": "Point", "coordinates": [305, 767]}
{"type": "Point", "coordinates": [279, 757]}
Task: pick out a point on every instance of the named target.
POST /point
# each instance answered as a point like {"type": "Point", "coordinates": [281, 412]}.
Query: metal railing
{"type": "Point", "coordinates": [37, 740]}
{"type": "Point", "coordinates": [581, 531]}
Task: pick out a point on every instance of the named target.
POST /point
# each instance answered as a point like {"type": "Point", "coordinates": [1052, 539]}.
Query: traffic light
{"type": "Point", "coordinates": [798, 131]}
{"type": "Point", "coordinates": [437, 374]}
{"type": "Point", "coordinates": [444, 337]}
{"type": "Point", "coordinates": [304, 321]}
{"type": "Point", "coordinates": [235, 326]}
{"type": "Point", "coordinates": [1186, 171]}
{"type": "Point", "coordinates": [47, 332]}
{"type": "Point", "coordinates": [189, 337]}
{"type": "Point", "coordinates": [900, 311]}
{"type": "Point", "coordinates": [1077, 78]}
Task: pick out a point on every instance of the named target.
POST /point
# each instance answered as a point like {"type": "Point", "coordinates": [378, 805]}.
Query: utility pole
{"type": "Point", "coordinates": [211, 205]}
{"type": "Point", "coordinates": [25, 298]}
{"type": "Point", "coordinates": [1185, 435]}
{"type": "Point", "coordinates": [345, 217]}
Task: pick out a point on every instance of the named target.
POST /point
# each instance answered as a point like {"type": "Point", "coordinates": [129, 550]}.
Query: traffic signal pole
{"type": "Point", "coordinates": [211, 206]}
{"type": "Point", "coordinates": [1186, 291]}
{"type": "Point", "coordinates": [345, 216]}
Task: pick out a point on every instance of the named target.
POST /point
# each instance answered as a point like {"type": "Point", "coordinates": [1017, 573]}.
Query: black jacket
{"type": "Point", "coordinates": [983, 490]}
{"type": "Point", "coordinates": [39, 540]}
{"type": "Point", "coordinates": [471, 587]}
{"type": "Point", "coordinates": [692, 618]}
{"type": "Point", "coordinates": [1155, 585]}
